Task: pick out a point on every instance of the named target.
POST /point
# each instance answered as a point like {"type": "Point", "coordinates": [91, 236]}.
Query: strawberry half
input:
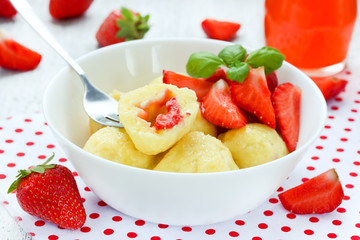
{"type": "Point", "coordinates": [219, 109]}
{"type": "Point", "coordinates": [15, 56]}
{"type": "Point", "coordinates": [198, 85]}
{"type": "Point", "coordinates": [221, 30]}
{"type": "Point", "coordinates": [321, 194]}
{"type": "Point", "coordinates": [49, 191]}
{"type": "Point", "coordinates": [171, 118]}
{"type": "Point", "coordinates": [330, 86]}
{"type": "Point", "coordinates": [7, 9]}
{"type": "Point", "coordinates": [254, 96]}
{"type": "Point", "coordinates": [286, 100]}
{"type": "Point", "coordinates": [122, 25]}
{"type": "Point", "coordinates": [61, 9]}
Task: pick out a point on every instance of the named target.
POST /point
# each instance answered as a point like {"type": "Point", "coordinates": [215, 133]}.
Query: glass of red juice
{"type": "Point", "coordinates": [314, 35]}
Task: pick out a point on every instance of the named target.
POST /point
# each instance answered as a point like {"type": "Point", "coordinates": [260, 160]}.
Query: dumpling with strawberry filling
{"type": "Point", "coordinates": [254, 144]}
{"type": "Point", "coordinates": [115, 145]}
{"type": "Point", "coordinates": [197, 153]}
{"type": "Point", "coordinates": [156, 116]}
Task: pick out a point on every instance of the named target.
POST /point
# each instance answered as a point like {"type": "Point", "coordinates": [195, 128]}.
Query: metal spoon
{"type": "Point", "coordinates": [98, 105]}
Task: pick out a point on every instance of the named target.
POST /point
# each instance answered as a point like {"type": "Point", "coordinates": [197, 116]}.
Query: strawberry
{"type": "Point", "coordinates": [272, 81]}
{"type": "Point", "coordinates": [61, 9]}
{"type": "Point", "coordinates": [49, 191]}
{"type": "Point", "coordinates": [253, 95]}
{"type": "Point", "coordinates": [286, 100]}
{"type": "Point", "coordinates": [321, 194]}
{"type": "Point", "coordinates": [7, 9]}
{"type": "Point", "coordinates": [219, 109]}
{"type": "Point", "coordinates": [198, 85]}
{"type": "Point", "coordinates": [171, 118]}
{"type": "Point", "coordinates": [15, 56]}
{"type": "Point", "coordinates": [221, 30]}
{"type": "Point", "coordinates": [122, 25]}
{"type": "Point", "coordinates": [217, 75]}
{"type": "Point", "coordinates": [330, 86]}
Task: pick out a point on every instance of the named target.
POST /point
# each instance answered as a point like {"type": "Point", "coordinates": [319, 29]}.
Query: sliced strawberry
{"type": "Point", "coordinates": [61, 9]}
{"type": "Point", "coordinates": [286, 99]}
{"type": "Point", "coordinates": [7, 9]}
{"type": "Point", "coordinates": [321, 194]}
{"type": "Point", "coordinates": [171, 118]}
{"type": "Point", "coordinates": [272, 81]}
{"type": "Point", "coordinates": [218, 108]}
{"type": "Point", "coordinates": [217, 75]}
{"type": "Point", "coordinates": [122, 25]}
{"type": "Point", "coordinates": [254, 96]}
{"type": "Point", "coordinates": [15, 56]}
{"type": "Point", "coordinates": [330, 86]}
{"type": "Point", "coordinates": [198, 85]}
{"type": "Point", "coordinates": [221, 30]}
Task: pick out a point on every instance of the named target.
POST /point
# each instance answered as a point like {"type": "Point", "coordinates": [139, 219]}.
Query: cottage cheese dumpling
{"type": "Point", "coordinates": [197, 153]}
{"type": "Point", "coordinates": [115, 145]}
{"type": "Point", "coordinates": [138, 110]}
{"type": "Point", "coordinates": [202, 125]}
{"type": "Point", "coordinates": [254, 144]}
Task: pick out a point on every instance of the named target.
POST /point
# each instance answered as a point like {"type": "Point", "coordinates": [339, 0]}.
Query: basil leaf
{"type": "Point", "coordinates": [268, 57]}
{"type": "Point", "coordinates": [203, 64]}
{"type": "Point", "coordinates": [238, 72]}
{"type": "Point", "coordinates": [232, 54]}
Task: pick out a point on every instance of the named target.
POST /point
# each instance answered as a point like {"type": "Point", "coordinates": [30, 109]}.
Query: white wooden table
{"type": "Point", "coordinates": [22, 92]}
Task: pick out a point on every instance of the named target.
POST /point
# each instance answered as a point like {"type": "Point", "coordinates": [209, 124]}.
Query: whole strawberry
{"type": "Point", "coordinates": [6, 9]}
{"type": "Point", "coordinates": [49, 191]}
{"type": "Point", "coordinates": [122, 25]}
{"type": "Point", "coordinates": [61, 9]}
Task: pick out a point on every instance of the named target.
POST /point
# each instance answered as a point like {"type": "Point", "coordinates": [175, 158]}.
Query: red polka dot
{"type": "Point", "coordinates": [1, 151]}
{"type": "Point", "coordinates": [27, 120]}
{"type": "Point", "coordinates": [116, 218]}
{"type": "Point", "coordinates": [273, 200]}
{"type": "Point", "coordinates": [18, 130]}
{"type": "Point", "coordinates": [163, 226]}
{"type": "Point", "coordinates": [315, 158]}
{"type": "Point", "coordinates": [309, 232]}
{"type": "Point", "coordinates": [155, 238]}
{"type": "Point", "coordinates": [280, 189]}
{"type": "Point", "coordinates": [30, 143]}
{"type": "Point", "coordinates": [341, 210]}
{"type": "Point", "coordinates": [62, 160]}
{"type": "Point", "coordinates": [343, 139]}
{"type": "Point", "coordinates": [305, 179]}
{"type": "Point", "coordinates": [233, 234]}
{"type": "Point", "coordinates": [346, 197]}
{"type": "Point", "coordinates": [240, 222]}
{"type": "Point", "coordinates": [39, 223]}
{"type": "Point", "coordinates": [53, 237]}
{"type": "Point", "coordinates": [334, 108]}
{"type": "Point", "coordinates": [313, 219]}
{"type": "Point", "coordinates": [31, 234]}
{"type": "Point", "coordinates": [357, 225]}
{"type": "Point", "coordinates": [75, 174]}
{"type": "Point", "coordinates": [332, 235]}
{"type": "Point", "coordinates": [355, 237]}
{"type": "Point", "coordinates": [353, 174]}
{"type": "Point", "coordinates": [336, 160]}
{"type": "Point", "coordinates": [339, 150]}
{"type": "Point", "coordinates": [323, 137]}
{"type": "Point", "coordinates": [331, 117]}
{"type": "Point", "coordinates": [139, 222]}
{"type": "Point", "coordinates": [268, 213]}
{"type": "Point", "coordinates": [20, 154]}
{"type": "Point", "coordinates": [108, 231]}
{"type": "Point", "coordinates": [286, 229]}
{"type": "Point", "coordinates": [347, 129]}
{"type": "Point", "coordinates": [5, 202]}
{"type": "Point", "coordinates": [87, 189]}
{"type": "Point", "coordinates": [357, 163]}
{"type": "Point", "coordinates": [210, 231]}
{"type": "Point", "coordinates": [349, 186]}
{"type": "Point", "coordinates": [256, 238]}
{"type": "Point", "coordinates": [41, 157]}
{"type": "Point", "coordinates": [38, 133]}
{"type": "Point", "coordinates": [310, 168]}
{"type": "Point", "coordinates": [102, 203]}
{"type": "Point", "coordinates": [50, 146]}
{"type": "Point", "coordinates": [18, 219]}
{"type": "Point", "coordinates": [94, 215]}
{"type": "Point", "coordinates": [132, 235]}
{"type": "Point", "coordinates": [186, 229]}
{"type": "Point", "coordinates": [263, 226]}
{"type": "Point", "coordinates": [291, 215]}
{"type": "Point", "coordinates": [338, 99]}
{"type": "Point", "coordinates": [327, 126]}
{"type": "Point", "coordinates": [319, 147]}
{"type": "Point", "coordinates": [337, 222]}
{"type": "Point", "coordinates": [85, 229]}
{"type": "Point", "coordinates": [351, 119]}
{"type": "Point", "coordinates": [2, 176]}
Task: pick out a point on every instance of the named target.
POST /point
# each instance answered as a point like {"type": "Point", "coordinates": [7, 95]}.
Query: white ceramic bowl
{"type": "Point", "coordinates": [162, 197]}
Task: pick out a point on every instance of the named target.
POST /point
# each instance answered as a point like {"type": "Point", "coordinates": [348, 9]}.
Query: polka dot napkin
{"type": "Point", "coordinates": [26, 141]}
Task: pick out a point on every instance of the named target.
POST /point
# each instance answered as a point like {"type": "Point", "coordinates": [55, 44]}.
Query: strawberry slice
{"type": "Point", "coordinates": [15, 56]}
{"type": "Point", "coordinates": [321, 194]}
{"type": "Point", "coordinates": [330, 86]}
{"type": "Point", "coordinates": [253, 95]}
{"type": "Point", "coordinates": [219, 109]}
{"type": "Point", "coordinates": [171, 118]}
{"type": "Point", "coordinates": [217, 75]}
{"type": "Point", "coordinates": [198, 85]}
{"type": "Point", "coordinates": [221, 30]}
{"type": "Point", "coordinates": [286, 100]}
{"type": "Point", "coordinates": [272, 81]}
{"type": "Point", "coordinates": [6, 9]}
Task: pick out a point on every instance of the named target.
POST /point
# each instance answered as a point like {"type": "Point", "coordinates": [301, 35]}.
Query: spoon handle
{"type": "Point", "coordinates": [25, 10]}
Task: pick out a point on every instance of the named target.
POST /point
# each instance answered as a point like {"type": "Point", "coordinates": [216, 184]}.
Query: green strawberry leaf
{"type": "Point", "coordinates": [132, 26]}
{"type": "Point", "coordinates": [203, 64]}
{"type": "Point", "coordinates": [232, 54]}
{"type": "Point", "coordinates": [238, 72]}
{"type": "Point", "coordinates": [268, 57]}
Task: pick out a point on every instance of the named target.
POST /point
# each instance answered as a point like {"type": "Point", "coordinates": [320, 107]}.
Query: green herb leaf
{"type": "Point", "coordinates": [268, 57]}
{"type": "Point", "coordinates": [238, 72]}
{"type": "Point", "coordinates": [203, 64]}
{"type": "Point", "coordinates": [232, 54]}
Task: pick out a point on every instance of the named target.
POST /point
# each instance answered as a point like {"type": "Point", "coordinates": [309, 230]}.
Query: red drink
{"type": "Point", "coordinates": [312, 34]}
